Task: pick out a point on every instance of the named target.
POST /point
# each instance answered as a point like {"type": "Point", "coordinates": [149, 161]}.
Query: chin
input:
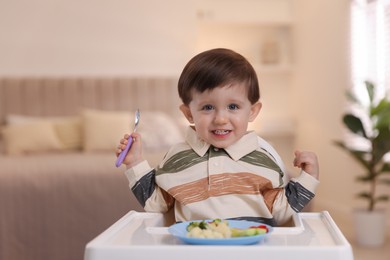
{"type": "Point", "coordinates": [221, 146]}
{"type": "Point", "coordinates": [221, 143]}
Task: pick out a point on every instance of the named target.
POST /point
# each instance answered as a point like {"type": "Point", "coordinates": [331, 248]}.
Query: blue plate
{"type": "Point", "coordinates": [179, 230]}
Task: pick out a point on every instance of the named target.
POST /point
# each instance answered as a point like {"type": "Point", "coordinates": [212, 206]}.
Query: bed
{"type": "Point", "coordinates": [59, 187]}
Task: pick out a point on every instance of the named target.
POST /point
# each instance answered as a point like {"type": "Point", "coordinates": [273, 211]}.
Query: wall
{"type": "Point", "coordinates": [58, 37]}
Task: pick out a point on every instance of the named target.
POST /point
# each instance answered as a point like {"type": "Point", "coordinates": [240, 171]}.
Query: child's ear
{"type": "Point", "coordinates": [255, 110]}
{"type": "Point", "coordinates": [187, 113]}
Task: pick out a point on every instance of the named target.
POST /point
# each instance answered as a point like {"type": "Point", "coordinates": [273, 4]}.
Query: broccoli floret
{"type": "Point", "coordinates": [192, 225]}
{"type": "Point", "coordinates": [217, 220]}
{"type": "Point", "coordinates": [203, 225]}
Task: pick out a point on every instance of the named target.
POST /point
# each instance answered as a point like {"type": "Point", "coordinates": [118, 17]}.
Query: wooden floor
{"type": "Point", "coordinates": [381, 253]}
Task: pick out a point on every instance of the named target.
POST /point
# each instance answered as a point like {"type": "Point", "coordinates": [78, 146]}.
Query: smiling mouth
{"type": "Point", "coordinates": [221, 132]}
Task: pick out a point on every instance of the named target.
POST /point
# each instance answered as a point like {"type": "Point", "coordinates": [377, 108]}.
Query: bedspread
{"type": "Point", "coordinates": [51, 205]}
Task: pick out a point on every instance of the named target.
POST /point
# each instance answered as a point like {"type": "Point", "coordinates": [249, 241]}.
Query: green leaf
{"type": "Point", "coordinates": [381, 114]}
{"type": "Point", "coordinates": [370, 90]}
{"type": "Point", "coordinates": [381, 198]}
{"type": "Point", "coordinates": [364, 195]}
{"type": "Point", "coordinates": [385, 169]}
{"type": "Point", "coordinates": [355, 125]}
{"type": "Point", "coordinates": [357, 155]}
{"type": "Point", "coordinates": [340, 144]}
{"type": "Point", "coordinates": [383, 121]}
{"type": "Point", "coordinates": [381, 145]}
{"type": "Point", "coordinates": [365, 178]}
{"type": "Point", "coordinates": [352, 97]}
{"type": "Point", "coordinates": [382, 106]}
{"type": "Point", "coordinates": [384, 181]}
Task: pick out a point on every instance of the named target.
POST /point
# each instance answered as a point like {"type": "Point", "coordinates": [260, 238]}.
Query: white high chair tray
{"type": "Point", "coordinates": [145, 236]}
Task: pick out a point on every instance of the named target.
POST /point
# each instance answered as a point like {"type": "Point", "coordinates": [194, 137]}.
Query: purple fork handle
{"type": "Point", "coordinates": [123, 154]}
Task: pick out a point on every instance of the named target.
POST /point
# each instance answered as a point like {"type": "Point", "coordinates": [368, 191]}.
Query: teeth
{"type": "Point", "coordinates": [221, 132]}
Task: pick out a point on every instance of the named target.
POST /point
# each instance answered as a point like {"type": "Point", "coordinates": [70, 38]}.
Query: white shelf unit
{"type": "Point", "coordinates": [263, 34]}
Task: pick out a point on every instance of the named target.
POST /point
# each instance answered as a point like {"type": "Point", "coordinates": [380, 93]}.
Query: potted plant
{"type": "Point", "coordinates": [370, 125]}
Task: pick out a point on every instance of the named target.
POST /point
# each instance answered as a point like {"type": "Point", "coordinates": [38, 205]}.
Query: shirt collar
{"type": "Point", "coordinates": [247, 144]}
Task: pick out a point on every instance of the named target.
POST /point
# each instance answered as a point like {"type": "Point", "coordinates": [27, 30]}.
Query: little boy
{"type": "Point", "coordinates": [221, 170]}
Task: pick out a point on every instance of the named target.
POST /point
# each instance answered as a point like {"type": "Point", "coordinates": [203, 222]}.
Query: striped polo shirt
{"type": "Point", "coordinates": [244, 181]}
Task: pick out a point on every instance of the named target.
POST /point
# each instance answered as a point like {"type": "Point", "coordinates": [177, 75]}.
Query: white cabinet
{"type": "Point", "coordinates": [258, 29]}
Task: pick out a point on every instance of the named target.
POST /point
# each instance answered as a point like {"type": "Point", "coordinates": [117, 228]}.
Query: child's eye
{"type": "Point", "coordinates": [232, 107]}
{"type": "Point", "coordinates": [207, 107]}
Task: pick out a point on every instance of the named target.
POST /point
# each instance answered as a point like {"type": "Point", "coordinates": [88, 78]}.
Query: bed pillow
{"type": "Point", "coordinates": [104, 129]}
{"type": "Point", "coordinates": [67, 128]}
{"type": "Point", "coordinates": [69, 131]}
{"type": "Point", "coordinates": [38, 136]}
{"type": "Point", "coordinates": [159, 131]}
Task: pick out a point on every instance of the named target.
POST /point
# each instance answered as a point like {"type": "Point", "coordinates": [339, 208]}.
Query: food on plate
{"type": "Point", "coordinates": [214, 229]}
{"type": "Point", "coordinates": [218, 228]}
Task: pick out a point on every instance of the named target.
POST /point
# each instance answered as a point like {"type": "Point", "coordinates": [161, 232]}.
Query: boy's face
{"type": "Point", "coordinates": [221, 115]}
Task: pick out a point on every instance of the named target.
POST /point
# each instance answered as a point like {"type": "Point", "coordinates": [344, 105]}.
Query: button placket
{"type": "Point", "coordinates": [215, 164]}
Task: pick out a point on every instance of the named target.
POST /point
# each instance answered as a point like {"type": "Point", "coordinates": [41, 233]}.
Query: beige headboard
{"type": "Point", "coordinates": [67, 96]}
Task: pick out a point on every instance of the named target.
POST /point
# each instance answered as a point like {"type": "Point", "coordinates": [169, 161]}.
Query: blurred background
{"type": "Point", "coordinates": [301, 50]}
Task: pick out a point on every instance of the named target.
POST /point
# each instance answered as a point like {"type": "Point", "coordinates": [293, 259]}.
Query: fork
{"type": "Point", "coordinates": [123, 154]}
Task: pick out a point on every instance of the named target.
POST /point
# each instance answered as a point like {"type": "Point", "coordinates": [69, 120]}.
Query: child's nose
{"type": "Point", "coordinates": [220, 117]}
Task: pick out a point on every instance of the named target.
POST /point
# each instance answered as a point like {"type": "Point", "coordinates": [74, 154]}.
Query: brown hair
{"type": "Point", "coordinates": [216, 68]}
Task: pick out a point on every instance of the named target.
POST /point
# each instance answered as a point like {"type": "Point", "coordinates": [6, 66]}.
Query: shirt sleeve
{"type": "Point", "coordinates": [294, 197]}
{"type": "Point", "coordinates": [142, 183]}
